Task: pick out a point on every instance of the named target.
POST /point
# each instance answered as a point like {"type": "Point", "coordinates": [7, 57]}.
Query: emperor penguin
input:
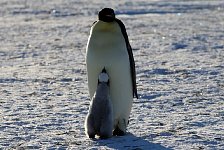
{"type": "Point", "coordinates": [108, 46]}
{"type": "Point", "coordinates": [99, 120]}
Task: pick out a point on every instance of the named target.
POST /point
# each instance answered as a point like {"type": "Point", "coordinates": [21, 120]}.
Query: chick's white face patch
{"type": "Point", "coordinates": [103, 77]}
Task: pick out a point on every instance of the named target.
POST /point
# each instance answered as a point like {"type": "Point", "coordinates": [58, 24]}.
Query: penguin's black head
{"type": "Point", "coordinates": [107, 15]}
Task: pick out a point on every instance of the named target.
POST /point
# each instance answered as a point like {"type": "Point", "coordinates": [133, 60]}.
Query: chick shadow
{"type": "Point", "coordinates": [130, 142]}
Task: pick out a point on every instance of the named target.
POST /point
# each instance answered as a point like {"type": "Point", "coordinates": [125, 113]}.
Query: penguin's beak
{"type": "Point", "coordinates": [111, 16]}
{"type": "Point", "coordinates": [104, 70]}
{"type": "Point", "coordinates": [108, 18]}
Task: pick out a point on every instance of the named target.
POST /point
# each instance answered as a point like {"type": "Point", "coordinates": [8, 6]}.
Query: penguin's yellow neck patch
{"type": "Point", "coordinates": [105, 26]}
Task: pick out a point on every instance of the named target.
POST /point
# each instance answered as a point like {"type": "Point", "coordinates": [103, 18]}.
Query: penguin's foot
{"type": "Point", "coordinates": [92, 136]}
{"type": "Point", "coordinates": [104, 137]}
{"type": "Point", "coordinates": [118, 132]}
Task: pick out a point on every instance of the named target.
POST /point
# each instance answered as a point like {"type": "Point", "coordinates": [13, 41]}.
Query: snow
{"type": "Point", "coordinates": [178, 48]}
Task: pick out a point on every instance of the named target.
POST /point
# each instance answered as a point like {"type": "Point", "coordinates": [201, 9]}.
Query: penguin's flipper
{"type": "Point", "coordinates": [131, 58]}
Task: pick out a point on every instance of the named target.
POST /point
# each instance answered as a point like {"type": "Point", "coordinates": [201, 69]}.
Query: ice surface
{"type": "Point", "coordinates": [178, 48]}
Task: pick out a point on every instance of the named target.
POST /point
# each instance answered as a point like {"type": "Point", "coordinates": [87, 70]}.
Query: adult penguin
{"type": "Point", "coordinates": [108, 46]}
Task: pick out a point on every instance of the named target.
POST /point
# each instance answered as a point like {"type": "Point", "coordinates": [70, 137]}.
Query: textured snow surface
{"type": "Point", "coordinates": [178, 47]}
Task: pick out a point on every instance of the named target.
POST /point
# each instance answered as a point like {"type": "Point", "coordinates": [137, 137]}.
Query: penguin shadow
{"type": "Point", "coordinates": [129, 142]}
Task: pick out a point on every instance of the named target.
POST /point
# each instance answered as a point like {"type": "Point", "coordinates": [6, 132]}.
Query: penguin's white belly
{"type": "Point", "coordinates": [111, 54]}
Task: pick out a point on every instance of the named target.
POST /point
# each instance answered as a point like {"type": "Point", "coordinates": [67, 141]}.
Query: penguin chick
{"type": "Point", "coordinates": [99, 120]}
